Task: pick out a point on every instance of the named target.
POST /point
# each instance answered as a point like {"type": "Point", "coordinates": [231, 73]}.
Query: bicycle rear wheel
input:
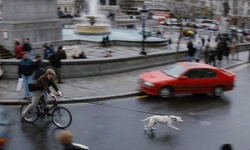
{"type": "Point", "coordinates": [32, 115]}
{"type": "Point", "coordinates": [61, 117]}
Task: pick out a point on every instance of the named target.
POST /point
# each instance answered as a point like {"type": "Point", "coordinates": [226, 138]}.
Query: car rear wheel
{"type": "Point", "coordinates": [218, 91]}
{"type": "Point", "coordinates": [166, 92]}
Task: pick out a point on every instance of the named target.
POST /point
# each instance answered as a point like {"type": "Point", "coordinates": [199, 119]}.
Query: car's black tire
{"type": "Point", "coordinates": [166, 92]}
{"type": "Point", "coordinates": [218, 91]}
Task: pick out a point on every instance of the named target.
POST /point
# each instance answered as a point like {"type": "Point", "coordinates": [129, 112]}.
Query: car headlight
{"type": "Point", "coordinates": [149, 84]}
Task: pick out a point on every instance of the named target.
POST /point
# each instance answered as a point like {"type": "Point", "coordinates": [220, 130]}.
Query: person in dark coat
{"type": "Point", "coordinates": [212, 56]}
{"type": "Point", "coordinates": [191, 51]}
{"type": "Point", "coordinates": [27, 47]}
{"type": "Point", "coordinates": [220, 50]}
{"type": "Point", "coordinates": [39, 68]}
{"type": "Point", "coordinates": [55, 62]}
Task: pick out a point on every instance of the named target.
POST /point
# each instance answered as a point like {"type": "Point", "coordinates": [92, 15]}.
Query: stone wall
{"type": "Point", "coordinates": [75, 68]}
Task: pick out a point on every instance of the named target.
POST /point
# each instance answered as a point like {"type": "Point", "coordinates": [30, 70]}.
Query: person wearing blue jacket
{"type": "Point", "coordinates": [25, 71]}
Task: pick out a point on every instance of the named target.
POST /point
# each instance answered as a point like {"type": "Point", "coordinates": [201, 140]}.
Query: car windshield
{"type": "Point", "coordinates": [174, 70]}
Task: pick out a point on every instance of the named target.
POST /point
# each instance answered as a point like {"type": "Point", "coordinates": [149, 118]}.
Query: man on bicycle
{"type": "Point", "coordinates": [38, 90]}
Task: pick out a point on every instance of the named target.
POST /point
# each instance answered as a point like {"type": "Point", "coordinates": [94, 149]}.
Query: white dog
{"type": "Point", "coordinates": [167, 120]}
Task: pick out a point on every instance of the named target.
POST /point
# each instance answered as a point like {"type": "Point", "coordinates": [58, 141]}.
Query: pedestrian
{"type": "Point", "coordinates": [55, 62]}
{"type": "Point", "coordinates": [203, 41]}
{"type": "Point", "coordinates": [169, 44]}
{"type": "Point", "coordinates": [212, 55]}
{"type": "Point", "coordinates": [18, 50]}
{"type": "Point", "coordinates": [226, 147]}
{"type": "Point", "coordinates": [209, 39]}
{"type": "Point", "coordinates": [47, 51]}
{"type": "Point", "coordinates": [226, 49]}
{"type": "Point", "coordinates": [39, 68]}
{"type": "Point", "coordinates": [104, 43]}
{"type": "Point", "coordinates": [206, 54]}
{"type": "Point", "coordinates": [38, 90]}
{"type": "Point", "coordinates": [234, 50]}
{"type": "Point", "coordinates": [61, 53]}
{"type": "Point", "coordinates": [191, 50]}
{"type": "Point", "coordinates": [108, 41]}
{"type": "Point", "coordinates": [198, 52]}
{"type": "Point", "coordinates": [25, 71]}
{"type": "Point", "coordinates": [82, 55]}
{"type": "Point", "coordinates": [65, 138]}
{"type": "Point", "coordinates": [27, 47]}
{"type": "Point", "coordinates": [220, 50]}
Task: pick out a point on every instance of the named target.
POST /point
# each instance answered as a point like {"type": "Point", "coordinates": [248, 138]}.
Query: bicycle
{"type": "Point", "coordinates": [61, 116]}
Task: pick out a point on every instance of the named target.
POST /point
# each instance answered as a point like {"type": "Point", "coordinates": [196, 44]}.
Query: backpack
{"type": "Point", "coordinates": [39, 72]}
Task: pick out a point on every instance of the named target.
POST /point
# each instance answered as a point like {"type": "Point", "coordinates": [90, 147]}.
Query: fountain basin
{"type": "Point", "coordinates": [98, 29]}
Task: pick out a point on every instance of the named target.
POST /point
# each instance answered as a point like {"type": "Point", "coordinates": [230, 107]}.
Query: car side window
{"type": "Point", "coordinates": [195, 73]}
{"type": "Point", "coordinates": [208, 73]}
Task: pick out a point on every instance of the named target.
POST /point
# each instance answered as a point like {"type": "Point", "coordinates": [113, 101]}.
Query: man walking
{"type": "Point", "coordinates": [55, 62]}
{"type": "Point", "coordinates": [27, 47]}
{"type": "Point", "coordinates": [169, 44]}
{"type": "Point", "coordinates": [191, 51]}
{"type": "Point", "coordinates": [25, 71]}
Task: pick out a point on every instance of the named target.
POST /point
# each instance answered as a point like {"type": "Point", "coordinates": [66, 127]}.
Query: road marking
{"type": "Point", "coordinates": [239, 67]}
{"type": "Point", "coordinates": [139, 97]}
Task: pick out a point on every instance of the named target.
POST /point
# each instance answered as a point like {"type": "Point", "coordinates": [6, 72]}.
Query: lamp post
{"type": "Point", "coordinates": [144, 13]}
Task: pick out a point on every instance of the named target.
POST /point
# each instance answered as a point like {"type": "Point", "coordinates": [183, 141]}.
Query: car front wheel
{"type": "Point", "coordinates": [218, 91]}
{"type": "Point", "coordinates": [166, 92]}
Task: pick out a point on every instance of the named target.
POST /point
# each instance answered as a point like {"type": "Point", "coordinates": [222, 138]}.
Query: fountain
{"type": "Point", "coordinates": [93, 24]}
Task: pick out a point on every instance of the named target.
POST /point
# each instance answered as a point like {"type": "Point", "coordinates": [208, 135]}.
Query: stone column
{"type": "Point", "coordinates": [34, 19]}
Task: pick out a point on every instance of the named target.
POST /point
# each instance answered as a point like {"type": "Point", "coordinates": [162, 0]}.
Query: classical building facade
{"type": "Point", "coordinates": [238, 14]}
{"type": "Point", "coordinates": [72, 6]}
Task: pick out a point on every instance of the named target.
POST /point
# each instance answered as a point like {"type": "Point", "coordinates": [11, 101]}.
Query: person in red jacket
{"type": "Point", "coordinates": [18, 50]}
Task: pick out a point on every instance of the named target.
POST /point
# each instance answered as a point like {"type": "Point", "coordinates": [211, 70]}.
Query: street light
{"type": "Point", "coordinates": [144, 13]}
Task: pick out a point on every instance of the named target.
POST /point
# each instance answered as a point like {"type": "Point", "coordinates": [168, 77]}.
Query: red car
{"type": "Point", "coordinates": [187, 78]}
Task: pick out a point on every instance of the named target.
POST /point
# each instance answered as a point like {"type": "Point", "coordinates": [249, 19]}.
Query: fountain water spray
{"type": "Point", "coordinates": [96, 24]}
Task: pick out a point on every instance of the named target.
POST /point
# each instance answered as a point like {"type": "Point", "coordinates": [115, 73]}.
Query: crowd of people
{"type": "Point", "coordinates": [31, 69]}
{"type": "Point", "coordinates": [212, 53]}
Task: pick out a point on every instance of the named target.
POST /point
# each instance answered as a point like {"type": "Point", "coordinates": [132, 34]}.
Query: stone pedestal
{"type": "Point", "coordinates": [34, 19]}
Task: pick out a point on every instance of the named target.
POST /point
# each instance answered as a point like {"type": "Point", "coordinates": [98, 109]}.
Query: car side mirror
{"type": "Point", "coordinates": [183, 77]}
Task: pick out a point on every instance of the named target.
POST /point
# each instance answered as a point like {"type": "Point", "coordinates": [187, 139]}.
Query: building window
{"type": "Point", "coordinates": [112, 2]}
{"type": "Point", "coordinates": [103, 2]}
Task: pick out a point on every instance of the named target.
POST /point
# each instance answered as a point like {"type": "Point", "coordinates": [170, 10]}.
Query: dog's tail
{"type": "Point", "coordinates": [145, 119]}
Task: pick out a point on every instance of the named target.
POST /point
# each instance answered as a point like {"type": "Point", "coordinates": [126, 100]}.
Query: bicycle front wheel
{"type": "Point", "coordinates": [32, 115]}
{"type": "Point", "coordinates": [61, 117]}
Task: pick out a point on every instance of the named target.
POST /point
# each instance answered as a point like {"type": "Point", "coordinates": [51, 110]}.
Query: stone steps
{"type": "Point", "coordinates": [5, 54]}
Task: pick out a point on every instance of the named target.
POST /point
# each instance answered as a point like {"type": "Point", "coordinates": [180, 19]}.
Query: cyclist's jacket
{"type": "Point", "coordinates": [44, 84]}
